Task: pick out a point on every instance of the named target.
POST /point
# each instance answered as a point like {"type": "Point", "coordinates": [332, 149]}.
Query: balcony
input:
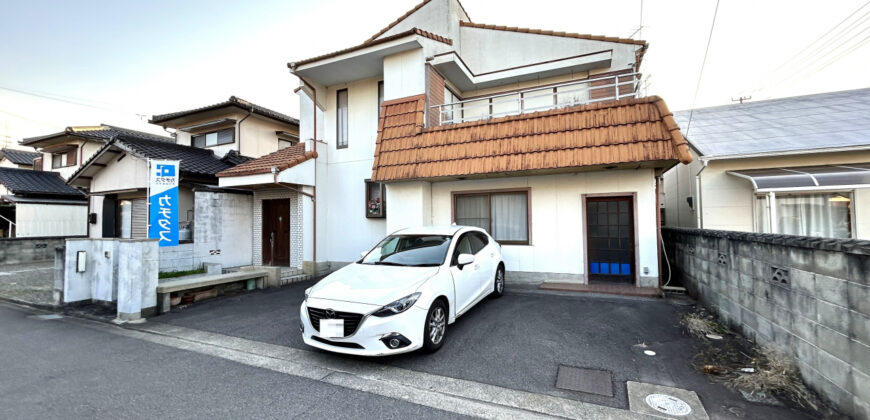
{"type": "Point", "coordinates": [577, 92]}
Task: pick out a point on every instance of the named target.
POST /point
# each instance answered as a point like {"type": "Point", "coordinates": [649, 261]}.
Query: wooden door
{"type": "Point", "coordinates": [276, 232]}
{"type": "Point", "coordinates": [610, 239]}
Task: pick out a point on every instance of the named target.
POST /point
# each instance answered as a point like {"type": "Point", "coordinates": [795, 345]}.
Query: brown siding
{"type": "Point", "coordinates": [71, 157]}
{"type": "Point", "coordinates": [37, 164]}
{"type": "Point", "coordinates": [596, 91]}
{"type": "Point", "coordinates": [436, 95]}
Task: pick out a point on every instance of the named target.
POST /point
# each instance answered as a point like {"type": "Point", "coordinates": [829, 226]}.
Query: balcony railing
{"type": "Point", "coordinates": [567, 94]}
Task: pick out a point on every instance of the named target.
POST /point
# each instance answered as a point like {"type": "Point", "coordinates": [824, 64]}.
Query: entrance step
{"type": "Point", "coordinates": [607, 289]}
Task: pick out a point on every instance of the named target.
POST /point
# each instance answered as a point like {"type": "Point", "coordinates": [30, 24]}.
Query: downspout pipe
{"type": "Point", "coordinates": [239, 128]}
{"type": "Point", "coordinates": [292, 67]}
{"type": "Point", "coordinates": [699, 220]}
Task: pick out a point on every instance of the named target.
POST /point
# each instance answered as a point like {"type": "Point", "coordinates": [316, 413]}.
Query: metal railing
{"type": "Point", "coordinates": [567, 94]}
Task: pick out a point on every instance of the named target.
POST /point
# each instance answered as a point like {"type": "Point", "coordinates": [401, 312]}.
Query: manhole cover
{"type": "Point", "coordinates": [667, 404]}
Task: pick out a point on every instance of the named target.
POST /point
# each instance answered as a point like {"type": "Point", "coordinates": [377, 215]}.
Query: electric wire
{"type": "Point", "coordinates": [701, 72]}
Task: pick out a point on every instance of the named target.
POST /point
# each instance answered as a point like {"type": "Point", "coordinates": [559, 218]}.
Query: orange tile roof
{"type": "Point", "coordinates": [605, 133]}
{"type": "Point", "coordinates": [285, 158]}
{"type": "Point", "coordinates": [415, 31]}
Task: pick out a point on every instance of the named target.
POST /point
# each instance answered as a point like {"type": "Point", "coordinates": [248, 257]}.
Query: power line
{"type": "Point", "coordinates": [70, 100]}
{"type": "Point", "coordinates": [703, 64]}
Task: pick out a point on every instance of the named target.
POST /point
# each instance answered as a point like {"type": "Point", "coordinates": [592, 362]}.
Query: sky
{"type": "Point", "coordinates": [88, 62]}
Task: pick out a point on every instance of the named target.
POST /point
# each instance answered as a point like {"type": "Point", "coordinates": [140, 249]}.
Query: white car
{"type": "Point", "coordinates": [402, 294]}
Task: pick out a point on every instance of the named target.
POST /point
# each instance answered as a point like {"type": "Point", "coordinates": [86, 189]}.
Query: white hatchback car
{"type": "Point", "coordinates": [404, 292]}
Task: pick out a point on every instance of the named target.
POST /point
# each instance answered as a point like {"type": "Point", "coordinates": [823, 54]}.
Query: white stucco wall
{"type": "Point", "coordinates": [404, 75]}
{"type": "Point", "coordinates": [50, 220]}
{"type": "Point", "coordinates": [727, 201]}
{"type": "Point", "coordinates": [128, 173]}
{"type": "Point", "coordinates": [557, 216]}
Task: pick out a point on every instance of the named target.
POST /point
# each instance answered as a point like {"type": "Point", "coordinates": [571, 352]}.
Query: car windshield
{"type": "Point", "coordinates": [409, 250]}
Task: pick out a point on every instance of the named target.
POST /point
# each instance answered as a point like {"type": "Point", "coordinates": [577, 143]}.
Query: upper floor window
{"type": "Point", "coordinates": [60, 160]}
{"type": "Point", "coordinates": [380, 96]}
{"type": "Point", "coordinates": [225, 136]}
{"type": "Point", "coordinates": [341, 119]}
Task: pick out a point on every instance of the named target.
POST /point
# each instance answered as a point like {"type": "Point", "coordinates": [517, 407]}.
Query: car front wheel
{"type": "Point", "coordinates": [435, 328]}
{"type": "Point", "coordinates": [498, 285]}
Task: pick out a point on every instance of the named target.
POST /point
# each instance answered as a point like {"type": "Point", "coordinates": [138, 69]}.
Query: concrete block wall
{"type": "Point", "coordinates": [177, 258]}
{"type": "Point", "coordinates": [295, 224]}
{"type": "Point", "coordinates": [807, 297]}
{"type": "Point", "coordinates": [27, 250]}
{"type": "Point", "coordinates": [137, 278]}
{"type": "Point", "coordinates": [222, 228]}
{"type": "Point", "coordinates": [99, 280]}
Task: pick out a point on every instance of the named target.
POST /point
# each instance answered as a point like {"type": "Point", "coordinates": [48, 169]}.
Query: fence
{"type": "Point", "coordinates": [807, 297]}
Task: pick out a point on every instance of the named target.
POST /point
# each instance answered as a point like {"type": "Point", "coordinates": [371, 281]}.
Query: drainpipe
{"type": "Point", "coordinates": [239, 128]}
{"type": "Point", "coordinates": [699, 220]}
{"type": "Point", "coordinates": [314, 143]}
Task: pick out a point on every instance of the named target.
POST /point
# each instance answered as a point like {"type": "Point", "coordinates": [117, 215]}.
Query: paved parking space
{"type": "Point", "coordinates": [31, 282]}
{"type": "Point", "coordinates": [518, 342]}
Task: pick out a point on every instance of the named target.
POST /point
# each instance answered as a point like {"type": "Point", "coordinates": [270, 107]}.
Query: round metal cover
{"type": "Point", "coordinates": [667, 404]}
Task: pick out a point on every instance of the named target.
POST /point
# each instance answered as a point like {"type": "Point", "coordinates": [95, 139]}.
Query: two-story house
{"type": "Point", "coordinates": [233, 125]}
{"type": "Point", "coordinates": [537, 136]}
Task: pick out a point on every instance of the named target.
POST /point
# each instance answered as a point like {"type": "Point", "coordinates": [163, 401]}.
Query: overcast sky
{"type": "Point", "coordinates": [124, 58]}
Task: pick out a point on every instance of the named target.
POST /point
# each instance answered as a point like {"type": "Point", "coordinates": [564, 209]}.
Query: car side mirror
{"type": "Point", "coordinates": [464, 259]}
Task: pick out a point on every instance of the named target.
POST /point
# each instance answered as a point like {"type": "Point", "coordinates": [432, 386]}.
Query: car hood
{"type": "Point", "coordinates": [371, 284]}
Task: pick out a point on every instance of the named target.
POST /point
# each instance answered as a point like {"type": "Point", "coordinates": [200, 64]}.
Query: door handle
{"type": "Point", "coordinates": [272, 238]}
{"type": "Point", "coordinates": [492, 254]}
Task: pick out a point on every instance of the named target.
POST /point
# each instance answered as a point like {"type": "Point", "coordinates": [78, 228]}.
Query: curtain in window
{"type": "Point", "coordinates": [823, 215]}
{"type": "Point", "coordinates": [509, 217]}
{"type": "Point", "coordinates": [473, 210]}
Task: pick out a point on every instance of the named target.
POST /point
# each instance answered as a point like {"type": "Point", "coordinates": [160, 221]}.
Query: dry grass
{"type": "Point", "coordinates": [775, 374]}
{"type": "Point", "coordinates": [699, 324]}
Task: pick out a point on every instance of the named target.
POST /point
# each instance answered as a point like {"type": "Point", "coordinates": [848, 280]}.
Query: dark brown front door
{"type": "Point", "coordinates": [276, 232]}
{"type": "Point", "coordinates": [610, 239]}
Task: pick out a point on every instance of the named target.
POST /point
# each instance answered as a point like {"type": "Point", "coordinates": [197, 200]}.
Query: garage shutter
{"type": "Point", "coordinates": [140, 219]}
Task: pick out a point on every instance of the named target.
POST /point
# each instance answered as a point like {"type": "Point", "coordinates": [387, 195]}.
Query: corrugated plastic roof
{"type": "Point", "coordinates": [801, 123]}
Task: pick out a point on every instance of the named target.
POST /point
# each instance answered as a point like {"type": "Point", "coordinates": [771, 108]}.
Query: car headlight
{"type": "Point", "coordinates": [398, 306]}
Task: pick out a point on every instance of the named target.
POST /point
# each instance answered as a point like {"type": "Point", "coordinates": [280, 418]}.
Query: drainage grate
{"type": "Point", "coordinates": [590, 381]}
{"type": "Point", "coordinates": [667, 404]}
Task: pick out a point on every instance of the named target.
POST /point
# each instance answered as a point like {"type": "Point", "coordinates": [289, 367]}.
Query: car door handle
{"type": "Point", "coordinates": [492, 254]}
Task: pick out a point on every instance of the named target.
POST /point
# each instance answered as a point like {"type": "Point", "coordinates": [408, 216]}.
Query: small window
{"type": "Point", "coordinates": [58, 160]}
{"type": "Point", "coordinates": [216, 138]}
{"type": "Point", "coordinates": [376, 203]}
{"type": "Point", "coordinates": [503, 214]}
{"type": "Point", "coordinates": [341, 115]}
{"type": "Point", "coordinates": [380, 96]}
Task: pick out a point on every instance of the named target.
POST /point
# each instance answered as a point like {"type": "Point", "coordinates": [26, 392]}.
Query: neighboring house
{"type": "Point", "coordinates": [798, 166]}
{"type": "Point", "coordinates": [35, 203]}
{"type": "Point", "coordinates": [537, 136]}
{"type": "Point", "coordinates": [14, 158]}
{"type": "Point", "coordinates": [65, 151]}
{"type": "Point", "coordinates": [116, 178]}
{"type": "Point", "coordinates": [236, 124]}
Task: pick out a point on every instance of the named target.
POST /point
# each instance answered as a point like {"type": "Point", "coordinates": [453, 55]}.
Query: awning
{"type": "Point", "coordinates": [808, 178]}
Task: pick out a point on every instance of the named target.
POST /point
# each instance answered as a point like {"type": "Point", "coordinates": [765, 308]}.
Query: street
{"type": "Point", "coordinates": [64, 368]}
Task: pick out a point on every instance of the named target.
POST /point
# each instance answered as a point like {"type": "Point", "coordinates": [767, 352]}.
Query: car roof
{"type": "Point", "coordinates": [435, 230]}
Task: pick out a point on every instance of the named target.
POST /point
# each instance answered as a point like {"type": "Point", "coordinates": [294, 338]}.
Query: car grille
{"type": "Point", "coordinates": [337, 343]}
{"type": "Point", "coordinates": [351, 320]}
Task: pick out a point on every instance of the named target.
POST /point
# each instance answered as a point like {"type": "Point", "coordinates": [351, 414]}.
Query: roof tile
{"type": "Point", "coordinates": [19, 157]}
{"type": "Point", "coordinates": [40, 183]}
{"type": "Point", "coordinates": [282, 159]}
{"type": "Point", "coordinates": [624, 131]}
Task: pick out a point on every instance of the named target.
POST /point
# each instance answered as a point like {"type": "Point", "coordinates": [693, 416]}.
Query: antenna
{"type": "Point", "coordinates": [741, 99]}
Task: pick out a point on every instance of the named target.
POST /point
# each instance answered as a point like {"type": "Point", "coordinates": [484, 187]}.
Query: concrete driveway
{"type": "Point", "coordinates": [518, 342]}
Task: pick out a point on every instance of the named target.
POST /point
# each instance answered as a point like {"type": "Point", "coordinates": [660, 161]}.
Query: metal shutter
{"type": "Point", "coordinates": [140, 219]}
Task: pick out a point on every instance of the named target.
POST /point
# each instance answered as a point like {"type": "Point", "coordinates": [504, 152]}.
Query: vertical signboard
{"type": "Point", "coordinates": [163, 201]}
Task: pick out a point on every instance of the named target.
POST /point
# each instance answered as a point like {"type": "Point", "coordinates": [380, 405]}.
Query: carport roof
{"type": "Point", "coordinates": [36, 183]}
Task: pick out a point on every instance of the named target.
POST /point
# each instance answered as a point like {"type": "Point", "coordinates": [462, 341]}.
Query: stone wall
{"type": "Point", "coordinates": [27, 250]}
{"type": "Point", "coordinates": [807, 297]}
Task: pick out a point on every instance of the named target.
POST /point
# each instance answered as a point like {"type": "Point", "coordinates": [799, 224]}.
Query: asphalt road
{"type": "Point", "coordinates": [60, 369]}
{"type": "Point", "coordinates": [518, 342]}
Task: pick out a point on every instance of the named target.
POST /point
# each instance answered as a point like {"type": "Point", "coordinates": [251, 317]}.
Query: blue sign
{"type": "Point", "coordinates": [163, 205]}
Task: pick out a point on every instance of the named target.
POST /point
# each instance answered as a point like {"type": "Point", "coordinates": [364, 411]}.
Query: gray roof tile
{"type": "Point", "coordinates": [822, 121]}
{"type": "Point", "coordinates": [39, 183]}
{"type": "Point", "coordinates": [20, 157]}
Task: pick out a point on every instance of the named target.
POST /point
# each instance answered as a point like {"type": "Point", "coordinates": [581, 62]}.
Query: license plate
{"type": "Point", "coordinates": [332, 328]}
